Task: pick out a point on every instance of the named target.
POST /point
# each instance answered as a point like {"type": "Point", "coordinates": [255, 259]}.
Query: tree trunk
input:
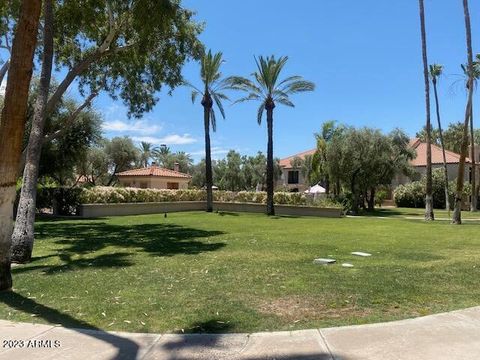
{"type": "Point", "coordinates": [371, 200]}
{"type": "Point", "coordinates": [457, 211]}
{"type": "Point", "coordinates": [4, 70]}
{"type": "Point", "coordinates": [23, 234]}
{"type": "Point", "coordinates": [207, 104]}
{"type": "Point", "coordinates": [270, 185]}
{"type": "Point", "coordinates": [445, 169]}
{"type": "Point", "coordinates": [429, 196]}
{"type": "Point", "coordinates": [473, 203]}
{"type": "Point", "coordinates": [12, 125]}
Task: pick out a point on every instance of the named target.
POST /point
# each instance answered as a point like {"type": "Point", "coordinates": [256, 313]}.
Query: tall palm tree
{"type": "Point", "coordinates": [435, 72]}
{"type": "Point", "coordinates": [457, 211]}
{"type": "Point", "coordinates": [429, 190]}
{"type": "Point", "coordinates": [268, 89]}
{"type": "Point", "coordinates": [211, 92]}
{"type": "Point", "coordinates": [12, 125]}
{"type": "Point", "coordinates": [146, 152]}
{"type": "Point", "coordinates": [476, 75]}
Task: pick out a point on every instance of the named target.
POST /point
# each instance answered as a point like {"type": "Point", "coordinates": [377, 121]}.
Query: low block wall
{"type": "Point", "coordinates": [100, 210]}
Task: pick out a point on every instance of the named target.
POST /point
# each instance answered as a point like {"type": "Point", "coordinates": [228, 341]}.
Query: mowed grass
{"type": "Point", "coordinates": [228, 272]}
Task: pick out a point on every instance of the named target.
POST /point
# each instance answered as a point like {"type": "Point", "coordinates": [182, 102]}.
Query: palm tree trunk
{"type": "Point", "coordinates": [428, 198]}
{"type": "Point", "coordinates": [445, 169]}
{"type": "Point", "coordinates": [457, 212]}
{"type": "Point", "coordinates": [23, 234]}
{"type": "Point", "coordinates": [473, 203]}
{"type": "Point", "coordinates": [12, 125]}
{"type": "Point", "coordinates": [270, 185]}
{"type": "Point", "coordinates": [207, 107]}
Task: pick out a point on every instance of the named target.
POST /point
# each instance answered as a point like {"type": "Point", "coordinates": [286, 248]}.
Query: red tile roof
{"type": "Point", "coordinates": [437, 156]}
{"type": "Point", "coordinates": [154, 171]}
{"type": "Point", "coordinates": [286, 163]}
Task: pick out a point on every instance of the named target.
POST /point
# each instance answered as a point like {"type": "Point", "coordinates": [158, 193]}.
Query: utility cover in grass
{"type": "Point", "coordinates": [322, 261]}
{"type": "Point", "coordinates": [359, 253]}
{"type": "Point", "coordinates": [347, 265]}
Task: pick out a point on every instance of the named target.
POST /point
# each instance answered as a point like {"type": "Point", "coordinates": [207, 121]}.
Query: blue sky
{"type": "Point", "coordinates": [364, 57]}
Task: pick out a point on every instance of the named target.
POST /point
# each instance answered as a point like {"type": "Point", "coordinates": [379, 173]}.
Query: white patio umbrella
{"type": "Point", "coordinates": [316, 189]}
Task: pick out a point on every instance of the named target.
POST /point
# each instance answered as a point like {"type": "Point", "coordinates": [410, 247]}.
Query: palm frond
{"type": "Point", "coordinates": [218, 101]}
{"type": "Point", "coordinates": [195, 94]}
{"type": "Point", "coordinates": [249, 97]}
{"type": "Point", "coordinates": [285, 101]}
{"type": "Point", "coordinates": [298, 86]}
{"type": "Point", "coordinates": [260, 111]}
{"type": "Point", "coordinates": [213, 120]}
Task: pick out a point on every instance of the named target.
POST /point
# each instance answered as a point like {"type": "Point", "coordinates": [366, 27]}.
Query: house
{"type": "Point", "coordinates": [420, 162]}
{"type": "Point", "coordinates": [293, 180]}
{"type": "Point", "coordinates": [154, 177]}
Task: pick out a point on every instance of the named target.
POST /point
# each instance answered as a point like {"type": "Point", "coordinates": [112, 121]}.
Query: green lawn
{"type": "Point", "coordinates": [241, 272]}
{"type": "Point", "coordinates": [420, 212]}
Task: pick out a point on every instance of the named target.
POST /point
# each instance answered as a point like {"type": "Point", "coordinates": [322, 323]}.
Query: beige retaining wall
{"type": "Point", "coordinates": [100, 210]}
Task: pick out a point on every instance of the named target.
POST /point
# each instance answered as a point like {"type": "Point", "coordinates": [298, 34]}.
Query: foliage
{"type": "Point", "coordinates": [413, 194]}
{"type": "Point", "coordinates": [109, 195]}
{"type": "Point", "coordinates": [364, 159]}
{"type": "Point", "coordinates": [380, 197]}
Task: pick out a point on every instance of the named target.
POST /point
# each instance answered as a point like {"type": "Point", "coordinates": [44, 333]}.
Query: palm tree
{"type": "Point", "coordinates": [211, 92]}
{"type": "Point", "coordinates": [428, 198]}
{"type": "Point", "coordinates": [146, 152]}
{"type": "Point", "coordinates": [457, 211]}
{"type": "Point", "coordinates": [435, 72]}
{"type": "Point", "coordinates": [270, 90]}
{"type": "Point", "coordinates": [12, 125]}
{"type": "Point", "coordinates": [476, 75]}
{"type": "Point", "coordinates": [162, 155]}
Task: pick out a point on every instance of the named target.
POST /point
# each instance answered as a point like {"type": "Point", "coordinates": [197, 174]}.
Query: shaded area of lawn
{"type": "Point", "coordinates": [197, 272]}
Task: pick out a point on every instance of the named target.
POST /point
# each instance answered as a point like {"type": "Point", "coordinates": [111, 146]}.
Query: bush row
{"type": "Point", "coordinates": [109, 195]}
{"type": "Point", "coordinates": [413, 194]}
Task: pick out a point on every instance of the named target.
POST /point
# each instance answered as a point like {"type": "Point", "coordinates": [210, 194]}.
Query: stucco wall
{"type": "Point", "coordinates": [153, 182]}
{"type": "Point", "coordinates": [100, 210]}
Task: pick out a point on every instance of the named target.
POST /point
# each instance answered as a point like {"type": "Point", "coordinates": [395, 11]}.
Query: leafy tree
{"type": "Point", "coordinates": [428, 199]}
{"type": "Point", "coordinates": [457, 211]}
{"type": "Point", "coordinates": [254, 169]}
{"type": "Point", "coordinates": [319, 166]}
{"type": "Point", "coordinates": [211, 92]}
{"type": "Point", "coordinates": [434, 133]}
{"type": "Point", "coordinates": [268, 89]}
{"type": "Point", "coordinates": [232, 178]}
{"type": "Point", "coordinates": [122, 155]}
{"type": "Point", "coordinates": [12, 125]}
{"type": "Point", "coordinates": [128, 49]}
{"type": "Point", "coordinates": [94, 165]}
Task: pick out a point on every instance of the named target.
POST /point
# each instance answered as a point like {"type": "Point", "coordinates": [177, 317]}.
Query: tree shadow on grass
{"type": "Point", "coordinates": [126, 348]}
{"type": "Point", "coordinates": [78, 242]}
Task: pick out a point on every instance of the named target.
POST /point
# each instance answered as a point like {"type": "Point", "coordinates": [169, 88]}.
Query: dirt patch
{"type": "Point", "coordinates": [293, 308]}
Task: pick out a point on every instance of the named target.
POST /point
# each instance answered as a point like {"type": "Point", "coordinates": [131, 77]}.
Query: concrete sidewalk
{"type": "Point", "coordinates": [454, 335]}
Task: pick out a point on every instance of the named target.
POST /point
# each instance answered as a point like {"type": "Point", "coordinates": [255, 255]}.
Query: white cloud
{"type": "Point", "coordinates": [139, 126]}
{"type": "Point", "coordinates": [173, 139]}
{"type": "Point", "coordinates": [214, 151]}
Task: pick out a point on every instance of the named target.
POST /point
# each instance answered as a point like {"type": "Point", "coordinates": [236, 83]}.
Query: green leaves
{"type": "Point", "coordinates": [267, 87]}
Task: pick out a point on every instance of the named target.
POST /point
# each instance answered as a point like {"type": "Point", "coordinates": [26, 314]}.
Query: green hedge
{"type": "Point", "coordinates": [413, 194]}
{"type": "Point", "coordinates": [109, 195]}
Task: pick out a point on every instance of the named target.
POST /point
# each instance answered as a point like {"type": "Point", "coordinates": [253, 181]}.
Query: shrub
{"type": "Point", "coordinates": [380, 196]}
{"type": "Point", "coordinates": [110, 195]}
{"type": "Point", "coordinates": [413, 194]}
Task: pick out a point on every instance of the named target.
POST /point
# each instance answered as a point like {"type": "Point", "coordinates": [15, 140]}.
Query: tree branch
{"type": "Point", "coordinates": [69, 121]}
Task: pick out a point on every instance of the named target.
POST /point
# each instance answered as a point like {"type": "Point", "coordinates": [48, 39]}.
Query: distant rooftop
{"type": "Point", "coordinates": [154, 170]}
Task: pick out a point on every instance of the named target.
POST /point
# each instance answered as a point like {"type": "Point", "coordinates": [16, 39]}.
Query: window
{"type": "Point", "coordinates": [172, 186]}
{"type": "Point", "coordinates": [293, 177]}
